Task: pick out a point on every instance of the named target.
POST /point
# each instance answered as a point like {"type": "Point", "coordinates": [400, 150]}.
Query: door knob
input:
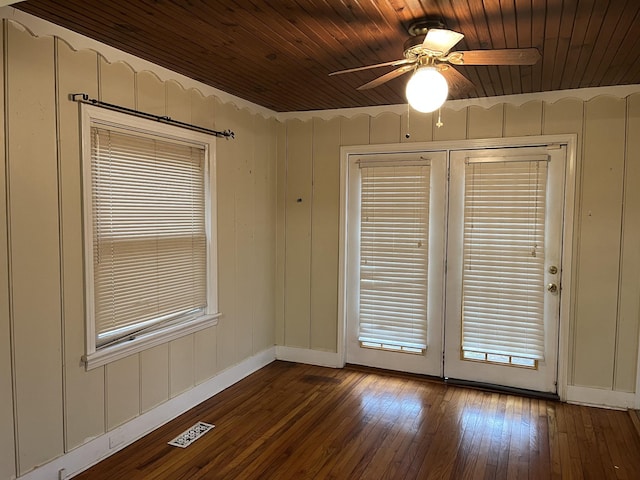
{"type": "Point", "coordinates": [552, 288]}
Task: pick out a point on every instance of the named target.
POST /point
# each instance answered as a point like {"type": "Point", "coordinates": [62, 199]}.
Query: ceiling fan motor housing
{"type": "Point", "coordinates": [421, 27]}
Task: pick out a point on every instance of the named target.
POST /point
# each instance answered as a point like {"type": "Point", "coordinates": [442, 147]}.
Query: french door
{"type": "Point", "coordinates": [396, 243]}
{"type": "Point", "coordinates": [503, 266]}
{"type": "Point", "coordinates": [453, 263]}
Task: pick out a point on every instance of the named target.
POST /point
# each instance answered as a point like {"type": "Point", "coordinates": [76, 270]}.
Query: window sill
{"type": "Point", "coordinates": [146, 341]}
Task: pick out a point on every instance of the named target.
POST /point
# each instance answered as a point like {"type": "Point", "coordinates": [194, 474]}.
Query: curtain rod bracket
{"type": "Point", "coordinates": [84, 98]}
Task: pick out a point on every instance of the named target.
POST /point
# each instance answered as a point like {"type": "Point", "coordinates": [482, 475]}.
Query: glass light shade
{"type": "Point", "coordinates": [427, 89]}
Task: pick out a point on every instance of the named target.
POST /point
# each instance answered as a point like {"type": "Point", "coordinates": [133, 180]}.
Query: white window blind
{"type": "Point", "coordinates": [149, 232]}
{"type": "Point", "coordinates": [394, 236]}
{"type": "Point", "coordinates": [503, 276]}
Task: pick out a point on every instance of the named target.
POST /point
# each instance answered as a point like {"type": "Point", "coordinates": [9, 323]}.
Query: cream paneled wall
{"type": "Point", "coordinates": [49, 404]}
{"type": "Point", "coordinates": [603, 330]}
{"type": "Point", "coordinates": [7, 446]}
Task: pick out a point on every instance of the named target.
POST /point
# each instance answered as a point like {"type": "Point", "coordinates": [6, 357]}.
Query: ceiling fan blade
{"type": "Point", "coordinates": [394, 63]}
{"type": "Point", "coordinates": [458, 83]}
{"type": "Point", "coordinates": [386, 77]}
{"type": "Point", "coordinates": [440, 41]}
{"type": "Point", "coordinates": [507, 56]}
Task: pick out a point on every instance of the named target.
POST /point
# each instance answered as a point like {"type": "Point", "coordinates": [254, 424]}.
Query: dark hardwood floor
{"type": "Point", "coordinates": [292, 421]}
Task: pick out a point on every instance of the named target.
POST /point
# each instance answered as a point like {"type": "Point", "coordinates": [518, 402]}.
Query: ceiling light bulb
{"type": "Point", "coordinates": [427, 89]}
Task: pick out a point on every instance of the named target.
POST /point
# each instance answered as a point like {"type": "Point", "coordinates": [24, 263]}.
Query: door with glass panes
{"type": "Point", "coordinates": [503, 266]}
{"type": "Point", "coordinates": [487, 224]}
{"type": "Point", "coordinates": [395, 261]}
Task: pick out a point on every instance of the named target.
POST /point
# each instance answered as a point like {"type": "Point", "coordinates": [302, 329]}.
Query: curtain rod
{"type": "Point", "coordinates": [84, 98]}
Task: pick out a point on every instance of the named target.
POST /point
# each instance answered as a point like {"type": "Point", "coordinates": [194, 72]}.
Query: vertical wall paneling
{"type": "Point", "coordinates": [205, 354]}
{"type": "Point", "coordinates": [150, 94]}
{"type": "Point", "coordinates": [178, 101]}
{"type": "Point", "coordinates": [566, 116]}
{"type": "Point", "coordinates": [563, 116]}
{"type": "Point", "coordinates": [523, 120]}
{"type": "Point", "coordinates": [599, 255]}
{"type": "Point", "coordinates": [298, 233]}
{"type": "Point", "coordinates": [385, 128]}
{"type": "Point", "coordinates": [245, 261]}
{"type": "Point", "coordinates": [485, 122]}
{"type": "Point", "coordinates": [354, 131]}
{"type": "Point", "coordinates": [7, 440]}
{"type": "Point", "coordinates": [417, 125]}
{"type": "Point", "coordinates": [629, 303]}
{"type": "Point", "coordinates": [205, 341]}
{"type": "Point", "coordinates": [117, 81]}
{"type": "Point", "coordinates": [34, 247]}
{"type": "Point", "coordinates": [84, 390]}
{"type": "Point", "coordinates": [154, 377]}
{"type": "Point", "coordinates": [122, 377]}
{"type": "Point", "coordinates": [454, 124]}
{"type": "Point", "coordinates": [281, 189]}
{"type": "Point", "coordinates": [202, 109]}
{"type": "Point", "coordinates": [226, 172]}
{"type": "Point", "coordinates": [325, 234]}
{"type": "Point", "coordinates": [181, 358]}
{"type": "Point", "coordinates": [154, 365]}
{"type": "Point", "coordinates": [181, 369]}
{"type": "Point", "coordinates": [117, 86]}
{"type": "Point", "coordinates": [264, 241]}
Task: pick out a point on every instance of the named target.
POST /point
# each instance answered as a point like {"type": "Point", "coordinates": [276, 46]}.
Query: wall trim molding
{"type": "Point", "coordinates": [600, 397]}
{"type": "Point", "coordinates": [308, 356]}
{"type": "Point", "coordinates": [583, 94]}
{"type": "Point", "coordinates": [101, 447]}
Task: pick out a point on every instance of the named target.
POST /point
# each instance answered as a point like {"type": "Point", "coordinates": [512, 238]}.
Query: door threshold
{"type": "Point", "coordinates": [503, 389]}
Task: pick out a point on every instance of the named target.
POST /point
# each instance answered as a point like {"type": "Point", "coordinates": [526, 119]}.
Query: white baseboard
{"type": "Point", "coordinates": [599, 397]}
{"type": "Point", "coordinates": [311, 357]}
{"type": "Point", "coordinates": [105, 445]}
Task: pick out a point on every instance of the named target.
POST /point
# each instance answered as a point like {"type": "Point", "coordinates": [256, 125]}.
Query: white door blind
{"type": "Point", "coordinates": [149, 235]}
{"type": "Point", "coordinates": [503, 273]}
{"type": "Point", "coordinates": [394, 236]}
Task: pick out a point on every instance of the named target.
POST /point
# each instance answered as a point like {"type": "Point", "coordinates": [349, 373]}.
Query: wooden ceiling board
{"type": "Point", "coordinates": [538, 20]}
{"type": "Point", "coordinates": [525, 34]}
{"type": "Point", "coordinates": [552, 33]}
{"type": "Point", "coordinates": [628, 52]}
{"type": "Point", "coordinates": [626, 20]}
{"type": "Point", "coordinates": [279, 54]}
{"type": "Point", "coordinates": [627, 56]}
{"type": "Point", "coordinates": [593, 24]}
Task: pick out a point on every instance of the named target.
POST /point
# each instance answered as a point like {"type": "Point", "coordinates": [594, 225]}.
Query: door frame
{"type": "Point", "coordinates": [347, 154]}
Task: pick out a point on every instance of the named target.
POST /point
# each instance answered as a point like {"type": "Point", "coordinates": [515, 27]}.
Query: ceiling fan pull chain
{"type": "Point", "coordinates": [408, 135]}
{"type": "Point", "coordinates": [439, 123]}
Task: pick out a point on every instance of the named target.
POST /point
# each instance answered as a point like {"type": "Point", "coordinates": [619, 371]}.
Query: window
{"type": "Point", "coordinates": [149, 205]}
{"type": "Point", "coordinates": [394, 237]}
{"type": "Point", "coordinates": [504, 258]}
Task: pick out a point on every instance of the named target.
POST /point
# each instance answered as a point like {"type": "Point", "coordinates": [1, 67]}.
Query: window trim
{"type": "Point", "coordinates": [91, 115]}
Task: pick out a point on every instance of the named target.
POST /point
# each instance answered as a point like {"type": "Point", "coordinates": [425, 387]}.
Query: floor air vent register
{"type": "Point", "coordinates": [190, 435]}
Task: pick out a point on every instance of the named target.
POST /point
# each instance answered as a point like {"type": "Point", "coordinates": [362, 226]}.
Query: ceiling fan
{"type": "Point", "coordinates": [428, 54]}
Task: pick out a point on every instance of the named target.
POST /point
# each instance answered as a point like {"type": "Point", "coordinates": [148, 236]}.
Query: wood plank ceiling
{"type": "Point", "coordinates": [278, 54]}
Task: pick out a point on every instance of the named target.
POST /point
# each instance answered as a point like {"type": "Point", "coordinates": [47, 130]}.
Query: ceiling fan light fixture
{"type": "Point", "coordinates": [427, 89]}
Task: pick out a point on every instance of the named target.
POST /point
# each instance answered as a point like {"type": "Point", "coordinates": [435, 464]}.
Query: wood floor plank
{"type": "Point", "coordinates": [293, 421]}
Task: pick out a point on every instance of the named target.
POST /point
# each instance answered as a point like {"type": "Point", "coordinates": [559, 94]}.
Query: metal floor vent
{"type": "Point", "coordinates": [191, 435]}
